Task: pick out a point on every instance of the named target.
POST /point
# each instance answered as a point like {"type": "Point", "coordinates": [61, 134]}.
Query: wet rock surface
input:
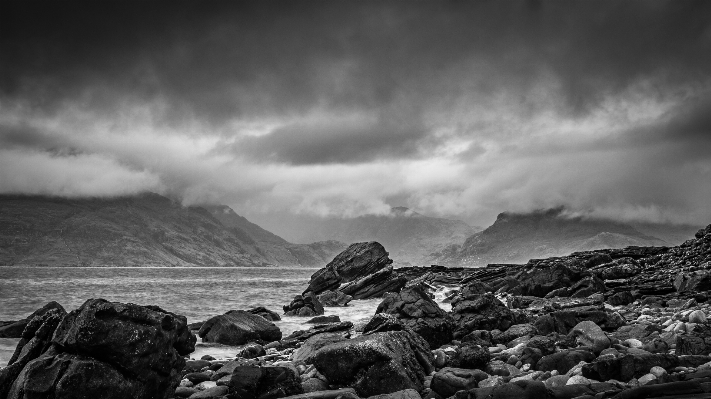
{"type": "Point", "coordinates": [238, 327]}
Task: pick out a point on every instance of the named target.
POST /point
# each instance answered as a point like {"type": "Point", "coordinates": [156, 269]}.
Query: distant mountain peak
{"type": "Point", "coordinates": [403, 211]}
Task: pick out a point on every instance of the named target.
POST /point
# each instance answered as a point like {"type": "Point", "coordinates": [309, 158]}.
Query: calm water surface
{"type": "Point", "coordinates": [198, 293]}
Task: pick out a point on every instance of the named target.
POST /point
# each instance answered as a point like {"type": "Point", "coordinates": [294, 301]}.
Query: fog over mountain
{"type": "Point", "coordinates": [338, 109]}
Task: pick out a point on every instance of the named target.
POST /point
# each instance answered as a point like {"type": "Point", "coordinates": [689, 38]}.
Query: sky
{"type": "Point", "coordinates": [459, 109]}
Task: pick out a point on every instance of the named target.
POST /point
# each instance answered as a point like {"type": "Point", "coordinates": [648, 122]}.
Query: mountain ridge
{"type": "Point", "coordinates": [142, 230]}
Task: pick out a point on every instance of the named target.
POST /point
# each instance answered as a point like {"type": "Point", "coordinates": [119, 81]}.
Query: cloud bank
{"type": "Point", "coordinates": [452, 108]}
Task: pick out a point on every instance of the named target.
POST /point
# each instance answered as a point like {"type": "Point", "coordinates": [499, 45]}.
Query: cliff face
{"type": "Point", "coordinates": [518, 237]}
{"type": "Point", "coordinates": [143, 230]}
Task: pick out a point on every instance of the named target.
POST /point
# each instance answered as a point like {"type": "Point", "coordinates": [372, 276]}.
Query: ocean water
{"type": "Point", "coordinates": [197, 293]}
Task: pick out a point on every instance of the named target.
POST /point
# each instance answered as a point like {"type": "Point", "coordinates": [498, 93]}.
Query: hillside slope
{"type": "Point", "coordinates": [143, 230]}
{"type": "Point", "coordinates": [518, 237]}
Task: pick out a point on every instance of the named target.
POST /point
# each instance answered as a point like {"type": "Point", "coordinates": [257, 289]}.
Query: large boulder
{"type": "Point", "coordinates": [262, 382]}
{"type": "Point", "coordinates": [334, 298]}
{"type": "Point", "coordinates": [374, 285]}
{"type": "Point", "coordinates": [14, 329]}
{"type": "Point", "coordinates": [421, 313]}
{"type": "Point", "coordinates": [590, 334]}
{"type": "Point", "coordinates": [377, 363]}
{"type": "Point", "coordinates": [564, 360]}
{"type": "Point", "coordinates": [449, 380]}
{"type": "Point", "coordinates": [480, 312]}
{"type": "Point", "coordinates": [357, 261]}
{"type": "Point", "coordinates": [109, 350]}
{"type": "Point", "coordinates": [693, 282]}
{"type": "Point", "coordinates": [237, 327]}
{"type": "Point", "coordinates": [539, 280]}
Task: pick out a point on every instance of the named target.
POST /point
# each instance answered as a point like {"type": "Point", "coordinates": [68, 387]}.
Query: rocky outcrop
{"type": "Point", "coordinates": [258, 382]}
{"type": "Point", "coordinates": [109, 350]}
{"type": "Point", "coordinates": [238, 327]}
{"type": "Point", "coordinates": [357, 261]}
{"type": "Point", "coordinates": [378, 363]}
{"type": "Point", "coordinates": [265, 313]}
{"type": "Point", "coordinates": [375, 285]}
{"type": "Point", "coordinates": [14, 329]}
{"type": "Point", "coordinates": [420, 313]}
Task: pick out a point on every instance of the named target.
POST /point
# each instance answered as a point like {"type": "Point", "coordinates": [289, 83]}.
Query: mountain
{"type": "Point", "coordinates": [408, 236]}
{"type": "Point", "coordinates": [142, 230]}
{"type": "Point", "coordinates": [518, 237]}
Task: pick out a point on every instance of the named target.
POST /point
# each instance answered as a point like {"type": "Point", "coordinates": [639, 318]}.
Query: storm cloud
{"type": "Point", "coordinates": [454, 108]}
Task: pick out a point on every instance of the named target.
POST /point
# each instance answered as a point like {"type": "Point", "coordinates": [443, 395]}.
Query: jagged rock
{"type": "Point", "coordinates": [377, 363]}
{"type": "Point", "coordinates": [539, 280]}
{"type": "Point", "coordinates": [15, 329]}
{"type": "Point", "coordinates": [513, 332]}
{"type": "Point", "coordinates": [693, 344]}
{"type": "Point", "coordinates": [420, 313]}
{"type": "Point", "coordinates": [626, 367]}
{"type": "Point", "coordinates": [374, 285]}
{"type": "Point", "coordinates": [324, 320]}
{"type": "Point", "coordinates": [587, 286]}
{"type": "Point", "coordinates": [523, 389]}
{"type": "Point", "coordinates": [109, 350]}
{"type": "Point", "coordinates": [621, 298]}
{"type": "Point", "coordinates": [267, 382]}
{"type": "Point", "coordinates": [306, 305]}
{"type": "Point", "coordinates": [475, 287]}
{"type": "Point", "coordinates": [238, 327]}
{"type": "Point", "coordinates": [264, 312]}
{"type": "Point", "coordinates": [383, 322]}
{"type": "Point", "coordinates": [358, 260]}
{"type": "Point", "coordinates": [334, 298]}
{"type": "Point", "coordinates": [563, 321]}
{"type": "Point", "coordinates": [313, 344]}
{"type": "Point", "coordinates": [36, 339]}
{"type": "Point", "coordinates": [483, 312]}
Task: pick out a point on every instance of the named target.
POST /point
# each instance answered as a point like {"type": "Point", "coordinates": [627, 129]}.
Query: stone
{"type": "Point", "coordinates": [697, 316]}
{"type": "Point", "coordinates": [540, 280]}
{"type": "Point", "coordinates": [110, 350]}
{"type": "Point", "coordinates": [404, 394]}
{"type": "Point", "coordinates": [578, 379]}
{"type": "Point", "coordinates": [492, 381]}
{"type": "Point", "coordinates": [418, 311]}
{"type": "Point", "coordinates": [470, 356]}
{"type": "Point", "coordinates": [375, 285]}
{"type": "Point", "coordinates": [624, 368]}
{"type": "Point", "coordinates": [513, 332]}
{"type": "Point", "coordinates": [15, 329]}
{"type": "Point", "coordinates": [693, 282]}
{"type": "Point", "coordinates": [342, 328]}
{"type": "Point", "coordinates": [324, 319]}
{"type": "Point", "coordinates": [588, 333]}
{"type": "Point", "coordinates": [557, 381]}
{"type": "Point", "coordinates": [449, 380]}
{"type": "Point", "coordinates": [646, 379]}
{"type": "Point", "coordinates": [213, 392]}
{"type": "Point", "coordinates": [377, 363]}
{"type": "Point", "coordinates": [564, 360]}
{"type": "Point", "coordinates": [483, 312]}
{"type": "Point", "coordinates": [306, 305]}
{"type": "Point", "coordinates": [266, 313]}
{"type": "Point", "coordinates": [587, 286]}
{"type": "Point", "coordinates": [256, 381]}
{"type": "Point", "coordinates": [357, 261]}
{"type": "Point", "coordinates": [313, 344]}
{"type": "Point", "coordinates": [252, 351]}
{"type": "Point", "coordinates": [621, 298]}
{"type": "Point", "coordinates": [524, 389]}
{"type": "Point", "coordinates": [693, 344]}
{"type": "Point", "coordinates": [238, 327]}
{"type": "Point", "coordinates": [334, 299]}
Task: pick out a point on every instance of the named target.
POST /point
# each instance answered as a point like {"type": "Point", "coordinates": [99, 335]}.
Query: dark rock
{"type": "Point", "coordinates": [383, 322]}
{"type": "Point", "coordinates": [374, 285]}
{"type": "Point", "coordinates": [334, 298]}
{"type": "Point", "coordinates": [324, 319]}
{"type": "Point", "coordinates": [483, 312]}
{"type": "Point", "coordinates": [36, 339]}
{"type": "Point", "coordinates": [587, 286]}
{"type": "Point", "coordinates": [539, 280]}
{"type": "Point", "coordinates": [470, 356]}
{"type": "Point", "coordinates": [109, 350]}
{"type": "Point", "coordinates": [693, 344]}
{"type": "Point", "coordinates": [14, 329]}
{"type": "Point", "coordinates": [357, 261]}
{"type": "Point", "coordinates": [307, 305]}
{"type": "Point", "coordinates": [525, 389]}
{"type": "Point", "coordinates": [196, 365]}
{"type": "Point", "coordinates": [313, 344]}
{"type": "Point", "coordinates": [263, 382]}
{"type": "Point", "coordinates": [420, 313]}
{"type": "Point", "coordinates": [404, 394]}
{"type": "Point", "coordinates": [693, 282]}
{"type": "Point", "coordinates": [302, 335]}
{"type": "Point", "coordinates": [475, 287]}
{"type": "Point", "coordinates": [621, 298]}
{"type": "Point", "coordinates": [214, 392]}
{"type": "Point", "coordinates": [563, 321]}
{"type": "Point", "coordinates": [266, 313]}
{"type": "Point", "coordinates": [238, 327]}
{"type": "Point", "coordinates": [565, 360]}
{"type": "Point", "coordinates": [513, 332]}
{"type": "Point", "coordinates": [629, 366]}
{"type": "Point", "coordinates": [479, 337]}
{"type": "Point", "coordinates": [377, 363]}
{"type": "Point", "coordinates": [449, 380]}
{"type": "Point", "coordinates": [252, 351]}
{"type": "Point", "coordinates": [197, 378]}
{"type": "Point", "coordinates": [545, 344]}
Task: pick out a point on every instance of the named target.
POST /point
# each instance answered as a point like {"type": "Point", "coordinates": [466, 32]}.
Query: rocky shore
{"type": "Point", "coordinates": [619, 323]}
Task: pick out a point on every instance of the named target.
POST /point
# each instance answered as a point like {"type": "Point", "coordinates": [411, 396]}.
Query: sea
{"type": "Point", "coordinates": [195, 292]}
